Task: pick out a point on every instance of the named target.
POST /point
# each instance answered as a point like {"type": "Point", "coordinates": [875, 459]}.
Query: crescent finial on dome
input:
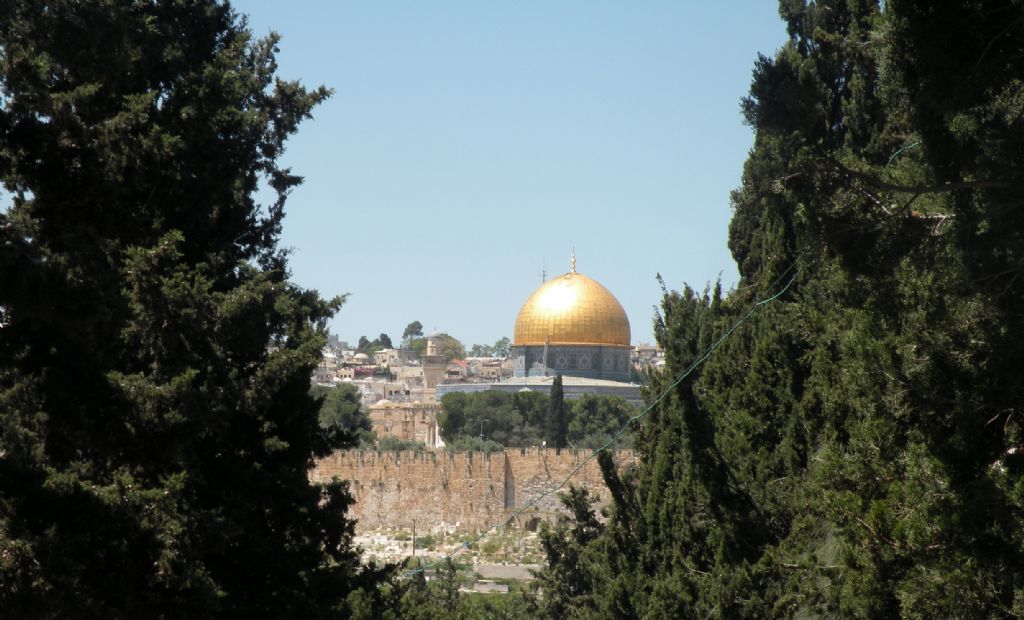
{"type": "Point", "coordinates": [572, 262]}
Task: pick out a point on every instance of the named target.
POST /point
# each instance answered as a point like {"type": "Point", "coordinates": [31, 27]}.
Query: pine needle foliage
{"type": "Point", "coordinates": [855, 449]}
{"type": "Point", "coordinates": [156, 426]}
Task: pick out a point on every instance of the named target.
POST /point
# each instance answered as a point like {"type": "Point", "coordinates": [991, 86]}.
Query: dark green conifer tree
{"type": "Point", "coordinates": [558, 416]}
{"type": "Point", "coordinates": [566, 586]}
{"type": "Point", "coordinates": [853, 450]}
{"type": "Point", "coordinates": [153, 448]}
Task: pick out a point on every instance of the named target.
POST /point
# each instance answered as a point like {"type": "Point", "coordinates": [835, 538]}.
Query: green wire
{"type": "Point", "coordinates": [900, 150]}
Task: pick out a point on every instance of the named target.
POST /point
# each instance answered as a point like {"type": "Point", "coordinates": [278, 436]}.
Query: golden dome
{"type": "Point", "coordinates": [572, 309]}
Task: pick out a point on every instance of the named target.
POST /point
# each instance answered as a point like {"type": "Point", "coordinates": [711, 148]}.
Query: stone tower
{"type": "Point", "coordinates": [433, 364]}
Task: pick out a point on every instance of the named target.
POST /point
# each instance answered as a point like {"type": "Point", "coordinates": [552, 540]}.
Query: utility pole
{"type": "Point", "coordinates": [482, 433]}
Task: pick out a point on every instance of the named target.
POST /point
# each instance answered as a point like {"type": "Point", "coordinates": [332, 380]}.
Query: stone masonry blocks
{"type": "Point", "coordinates": [460, 491]}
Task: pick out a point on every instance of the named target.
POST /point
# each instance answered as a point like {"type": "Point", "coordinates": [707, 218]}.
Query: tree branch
{"type": "Point", "coordinates": [920, 189]}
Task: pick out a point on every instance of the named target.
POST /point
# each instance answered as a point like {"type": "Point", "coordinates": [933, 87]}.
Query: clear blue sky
{"type": "Point", "coordinates": [469, 145]}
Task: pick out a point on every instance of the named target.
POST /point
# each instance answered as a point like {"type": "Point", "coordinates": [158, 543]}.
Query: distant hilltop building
{"type": "Point", "coordinates": [570, 326]}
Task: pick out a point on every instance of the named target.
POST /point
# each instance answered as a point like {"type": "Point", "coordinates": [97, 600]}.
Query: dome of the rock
{"type": "Point", "coordinates": [572, 309]}
{"type": "Point", "coordinates": [572, 326]}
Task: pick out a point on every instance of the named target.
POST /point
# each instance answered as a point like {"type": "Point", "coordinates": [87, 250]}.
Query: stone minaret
{"type": "Point", "coordinates": [433, 364]}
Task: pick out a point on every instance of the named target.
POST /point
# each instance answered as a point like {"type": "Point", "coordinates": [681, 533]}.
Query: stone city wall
{"type": "Point", "coordinates": [459, 491]}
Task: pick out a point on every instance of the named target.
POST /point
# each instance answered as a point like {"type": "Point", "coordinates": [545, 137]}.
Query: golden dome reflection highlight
{"type": "Point", "coordinates": [572, 309]}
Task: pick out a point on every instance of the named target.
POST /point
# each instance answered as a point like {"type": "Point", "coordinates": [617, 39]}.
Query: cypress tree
{"type": "Point", "coordinates": [558, 416]}
{"type": "Point", "coordinates": [853, 449]}
{"type": "Point", "coordinates": [153, 449]}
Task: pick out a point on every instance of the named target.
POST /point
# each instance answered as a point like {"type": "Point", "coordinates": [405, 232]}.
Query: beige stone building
{"type": "Point", "coordinates": [490, 368]}
{"type": "Point", "coordinates": [415, 421]}
{"type": "Point", "coordinates": [388, 358]}
{"type": "Point", "coordinates": [327, 371]}
{"type": "Point", "coordinates": [411, 375]}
